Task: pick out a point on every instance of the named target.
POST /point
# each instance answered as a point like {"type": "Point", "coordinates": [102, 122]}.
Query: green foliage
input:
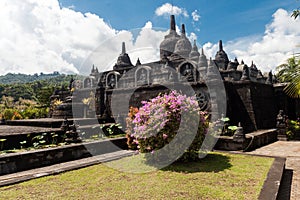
{"type": "Point", "coordinates": [227, 129]}
{"type": "Point", "coordinates": [38, 90]}
{"type": "Point", "coordinates": [30, 99]}
{"type": "Point", "coordinates": [295, 13]}
{"type": "Point", "coordinates": [24, 78]}
{"type": "Point", "coordinates": [292, 127]}
{"type": "Point", "coordinates": [34, 113]}
{"type": "Point", "coordinates": [112, 129]}
{"type": "Point", "coordinates": [23, 111]}
{"type": "Point", "coordinates": [39, 140]}
{"type": "Point", "coordinates": [290, 73]}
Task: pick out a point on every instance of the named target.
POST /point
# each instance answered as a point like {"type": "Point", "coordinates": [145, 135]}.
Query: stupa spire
{"type": "Point", "coordinates": [182, 30]}
{"type": "Point", "coordinates": [220, 45]}
{"type": "Point", "coordinates": [123, 48]}
{"type": "Point", "coordinates": [172, 23]}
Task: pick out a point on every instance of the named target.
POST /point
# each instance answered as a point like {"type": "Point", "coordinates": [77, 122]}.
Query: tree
{"type": "Point", "coordinates": [296, 13]}
{"type": "Point", "coordinates": [290, 73]}
{"type": "Point", "coordinates": [286, 70]}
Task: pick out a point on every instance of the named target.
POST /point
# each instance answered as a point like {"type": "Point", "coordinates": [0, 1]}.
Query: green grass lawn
{"type": "Point", "coordinates": [218, 176]}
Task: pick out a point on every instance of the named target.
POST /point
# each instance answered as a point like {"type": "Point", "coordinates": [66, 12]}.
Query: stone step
{"type": "Point", "coordinates": [54, 123]}
{"type": "Point", "coordinates": [282, 137]}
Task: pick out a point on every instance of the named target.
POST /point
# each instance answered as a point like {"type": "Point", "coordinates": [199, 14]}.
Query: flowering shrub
{"type": "Point", "coordinates": [154, 127]}
{"type": "Point", "coordinates": [130, 126]}
{"type": "Point", "coordinates": [293, 127]}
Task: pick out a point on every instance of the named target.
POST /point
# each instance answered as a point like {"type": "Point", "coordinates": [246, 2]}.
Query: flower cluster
{"type": "Point", "coordinates": [157, 122]}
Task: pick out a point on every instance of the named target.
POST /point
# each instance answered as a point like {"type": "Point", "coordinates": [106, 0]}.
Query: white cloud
{"type": "Point", "coordinates": [40, 36]}
{"type": "Point", "coordinates": [273, 48]}
{"type": "Point", "coordinates": [169, 9]}
{"type": "Point", "coordinates": [210, 50]}
{"type": "Point", "coordinates": [192, 36]}
{"type": "Point", "coordinates": [195, 15]}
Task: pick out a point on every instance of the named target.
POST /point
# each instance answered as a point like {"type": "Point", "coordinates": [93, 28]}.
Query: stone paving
{"type": "Point", "coordinates": [291, 151]}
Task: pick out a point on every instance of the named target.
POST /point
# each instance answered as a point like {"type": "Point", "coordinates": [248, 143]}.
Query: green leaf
{"type": "Point", "coordinates": [225, 119]}
{"type": "Point", "coordinates": [232, 128]}
{"type": "Point", "coordinates": [2, 140]}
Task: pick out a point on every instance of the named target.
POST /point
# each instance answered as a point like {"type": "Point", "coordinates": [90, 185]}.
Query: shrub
{"type": "Point", "coordinates": [34, 113]}
{"type": "Point", "coordinates": [11, 114]}
{"type": "Point", "coordinates": [158, 121]}
{"type": "Point", "coordinates": [130, 128]}
{"type": "Point", "coordinates": [292, 128]}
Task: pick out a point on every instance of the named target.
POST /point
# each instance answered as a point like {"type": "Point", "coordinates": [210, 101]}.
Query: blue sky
{"type": "Point", "coordinates": [219, 19]}
{"type": "Point", "coordinates": [70, 36]}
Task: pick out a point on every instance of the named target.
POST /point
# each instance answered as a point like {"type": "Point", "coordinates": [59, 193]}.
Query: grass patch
{"type": "Point", "coordinates": [218, 176]}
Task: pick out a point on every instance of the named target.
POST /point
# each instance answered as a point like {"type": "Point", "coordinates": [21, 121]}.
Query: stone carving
{"type": "Point", "coordinates": [281, 118]}
{"type": "Point", "coordinates": [143, 76]}
{"type": "Point", "coordinates": [70, 131]}
{"type": "Point", "coordinates": [111, 81]}
{"type": "Point", "coordinates": [186, 72]}
{"type": "Point", "coordinates": [203, 100]}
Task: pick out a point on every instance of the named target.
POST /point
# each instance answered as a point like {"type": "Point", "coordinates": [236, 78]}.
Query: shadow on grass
{"type": "Point", "coordinates": [211, 163]}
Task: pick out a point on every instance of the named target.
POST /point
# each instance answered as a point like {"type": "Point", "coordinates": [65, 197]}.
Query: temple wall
{"type": "Point", "coordinates": [252, 104]}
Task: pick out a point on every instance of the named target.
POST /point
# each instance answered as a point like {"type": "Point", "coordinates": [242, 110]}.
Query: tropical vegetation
{"type": "Point", "coordinates": [28, 96]}
{"type": "Point", "coordinates": [290, 71]}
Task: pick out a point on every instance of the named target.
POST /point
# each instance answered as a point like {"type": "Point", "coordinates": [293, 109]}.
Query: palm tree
{"type": "Point", "coordinates": [290, 73]}
{"type": "Point", "coordinates": [296, 13]}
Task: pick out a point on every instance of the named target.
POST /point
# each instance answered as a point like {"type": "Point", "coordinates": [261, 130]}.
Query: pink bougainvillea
{"type": "Point", "coordinates": [156, 123]}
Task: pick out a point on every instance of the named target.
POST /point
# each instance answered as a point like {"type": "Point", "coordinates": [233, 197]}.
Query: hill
{"type": "Point", "coordinates": [34, 87]}
{"type": "Point", "coordinates": [11, 78]}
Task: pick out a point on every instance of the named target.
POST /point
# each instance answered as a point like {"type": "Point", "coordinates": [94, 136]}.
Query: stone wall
{"type": "Point", "coordinates": [252, 104]}
{"type": "Point", "coordinates": [15, 162]}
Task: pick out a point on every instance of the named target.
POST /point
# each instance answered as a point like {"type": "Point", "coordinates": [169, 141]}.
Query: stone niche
{"type": "Point", "coordinates": [252, 104]}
